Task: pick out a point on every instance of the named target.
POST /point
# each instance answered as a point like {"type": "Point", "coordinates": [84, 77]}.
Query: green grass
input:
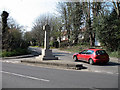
{"type": "Point", "coordinates": [114, 54]}
{"type": "Point", "coordinates": [38, 46]}
{"type": "Point", "coordinates": [16, 52]}
{"type": "Point", "coordinates": [74, 49]}
{"type": "Point", "coordinates": [34, 46]}
{"type": "Point", "coordinates": [0, 54]}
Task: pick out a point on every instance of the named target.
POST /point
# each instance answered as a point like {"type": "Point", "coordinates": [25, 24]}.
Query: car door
{"type": "Point", "coordinates": [81, 55]}
{"type": "Point", "coordinates": [88, 54]}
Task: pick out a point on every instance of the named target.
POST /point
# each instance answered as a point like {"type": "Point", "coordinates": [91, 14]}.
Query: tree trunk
{"type": "Point", "coordinates": [117, 7]}
{"type": "Point", "coordinates": [91, 34]}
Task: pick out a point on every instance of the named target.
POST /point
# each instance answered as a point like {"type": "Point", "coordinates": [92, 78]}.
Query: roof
{"type": "Point", "coordinates": [94, 49]}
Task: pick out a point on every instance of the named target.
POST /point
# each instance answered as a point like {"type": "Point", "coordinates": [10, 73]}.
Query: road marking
{"type": "Point", "coordinates": [105, 72]}
{"type": "Point", "coordinates": [98, 71]}
{"type": "Point", "coordinates": [30, 77]}
{"type": "Point", "coordinates": [110, 72]}
{"type": "Point", "coordinates": [11, 61]}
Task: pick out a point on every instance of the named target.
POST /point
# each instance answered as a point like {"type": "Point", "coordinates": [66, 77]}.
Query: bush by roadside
{"type": "Point", "coordinates": [15, 52]}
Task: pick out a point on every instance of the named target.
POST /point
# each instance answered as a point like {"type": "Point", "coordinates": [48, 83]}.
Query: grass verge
{"type": "Point", "coordinates": [114, 54]}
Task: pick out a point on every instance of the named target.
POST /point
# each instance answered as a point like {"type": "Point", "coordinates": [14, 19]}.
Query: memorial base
{"type": "Point", "coordinates": [47, 55]}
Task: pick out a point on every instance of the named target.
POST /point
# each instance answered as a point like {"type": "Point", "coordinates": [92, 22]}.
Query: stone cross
{"type": "Point", "coordinates": [46, 52]}
{"type": "Point", "coordinates": [46, 28]}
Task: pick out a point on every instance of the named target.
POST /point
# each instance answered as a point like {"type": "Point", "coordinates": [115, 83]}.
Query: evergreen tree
{"type": "Point", "coordinates": [109, 31]}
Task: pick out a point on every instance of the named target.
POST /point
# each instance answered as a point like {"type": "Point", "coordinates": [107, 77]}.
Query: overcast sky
{"type": "Point", "coordinates": [26, 11]}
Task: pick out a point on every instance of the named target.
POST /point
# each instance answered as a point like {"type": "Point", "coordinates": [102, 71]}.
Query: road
{"type": "Point", "coordinates": [111, 67]}
{"type": "Point", "coordinates": [23, 76]}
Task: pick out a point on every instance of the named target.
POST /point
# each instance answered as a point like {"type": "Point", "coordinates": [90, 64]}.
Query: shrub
{"type": "Point", "coordinates": [64, 44]}
{"type": "Point", "coordinates": [15, 52]}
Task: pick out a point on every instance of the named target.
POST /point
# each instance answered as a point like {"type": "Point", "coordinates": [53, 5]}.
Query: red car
{"type": "Point", "coordinates": [92, 56]}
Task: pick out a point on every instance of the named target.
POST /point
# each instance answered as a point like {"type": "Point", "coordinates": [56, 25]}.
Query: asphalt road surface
{"type": "Point", "coordinates": [23, 76]}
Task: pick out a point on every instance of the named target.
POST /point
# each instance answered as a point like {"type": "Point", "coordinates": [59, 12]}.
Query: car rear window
{"type": "Point", "coordinates": [100, 52]}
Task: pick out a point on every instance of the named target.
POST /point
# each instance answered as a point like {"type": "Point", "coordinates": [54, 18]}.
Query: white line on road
{"type": "Point", "coordinates": [105, 72]}
{"type": "Point", "coordinates": [34, 78]}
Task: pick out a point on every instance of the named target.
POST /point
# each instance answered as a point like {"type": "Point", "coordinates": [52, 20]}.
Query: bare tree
{"type": "Point", "coordinates": [71, 14]}
{"type": "Point", "coordinates": [116, 4]}
{"type": "Point", "coordinates": [37, 30]}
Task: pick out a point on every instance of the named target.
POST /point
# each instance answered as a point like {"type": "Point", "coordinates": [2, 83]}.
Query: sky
{"type": "Point", "coordinates": [26, 11]}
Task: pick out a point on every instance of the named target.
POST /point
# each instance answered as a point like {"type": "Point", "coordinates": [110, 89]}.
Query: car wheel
{"type": "Point", "coordinates": [75, 58]}
{"type": "Point", "coordinates": [91, 62]}
{"type": "Point", "coordinates": [105, 63]}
